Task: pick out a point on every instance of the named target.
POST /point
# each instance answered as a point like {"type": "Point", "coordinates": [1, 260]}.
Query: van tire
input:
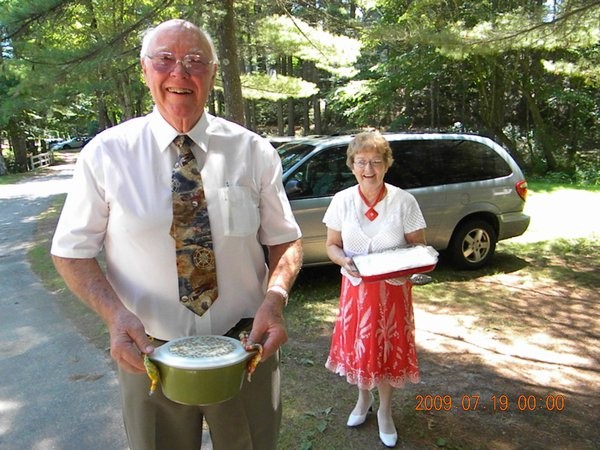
{"type": "Point", "coordinates": [473, 244]}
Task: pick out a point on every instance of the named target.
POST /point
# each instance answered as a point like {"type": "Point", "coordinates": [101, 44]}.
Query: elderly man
{"type": "Point", "coordinates": [122, 202]}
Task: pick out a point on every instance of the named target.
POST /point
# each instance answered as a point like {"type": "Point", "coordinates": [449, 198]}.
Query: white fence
{"type": "Point", "coordinates": [41, 160]}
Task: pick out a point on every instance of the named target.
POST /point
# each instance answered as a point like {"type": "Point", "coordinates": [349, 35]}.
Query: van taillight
{"type": "Point", "coordinates": [521, 188]}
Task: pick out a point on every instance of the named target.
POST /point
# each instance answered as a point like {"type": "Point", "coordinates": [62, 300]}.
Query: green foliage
{"type": "Point", "coordinates": [516, 71]}
{"type": "Point", "coordinates": [586, 176]}
{"type": "Point", "coordinates": [332, 53]}
{"type": "Point", "coordinates": [276, 87]}
{"type": "Point", "coordinates": [87, 52]}
{"type": "Point", "coordinates": [522, 72]}
{"type": "Point", "coordinates": [553, 181]}
{"type": "Point", "coordinates": [11, 106]}
{"type": "Point", "coordinates": [521, 28]}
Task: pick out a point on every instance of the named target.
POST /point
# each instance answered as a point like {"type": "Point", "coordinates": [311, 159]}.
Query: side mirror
{"type": "Point", "coordinates": [420, 279]}
{"type": "Point", "coordinates": [294, 188]}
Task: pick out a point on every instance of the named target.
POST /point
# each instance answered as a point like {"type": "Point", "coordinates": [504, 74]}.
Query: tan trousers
{"type": "Point", "coordinates": [249, 421]}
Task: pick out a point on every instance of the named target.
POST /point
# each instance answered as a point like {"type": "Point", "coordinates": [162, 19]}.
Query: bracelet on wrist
{"type": "Point", "coordinates": [281, 291]}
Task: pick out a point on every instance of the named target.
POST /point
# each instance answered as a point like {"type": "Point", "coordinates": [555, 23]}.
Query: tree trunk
{"type": "Point", "coordinates": [104, 121]}
{"type": "Point", "coordinates": [290, 103]}
{"type": "Point", "coordinates": [488, 95]}
{"type": "Point", "coordinates": [290, 116]}
{"type": "Point", "coordinates": [305, 117]}
{"type": "Point", "coordinates": [220, 103]}
{"type": "Point", "coordinates": [307, 74]}
{"type": "Point", "coordinates": [500, 136]}
{"type": "Point", "coordinates": [317, 114]}
{"type": "Point", "coordinates": [126, 102]}
{"type": "Point", "coordinates": [542, 133]}
{"type": "Point", "coordinates": [211, 102]}
{"type": "Point", "coordinates": [249, 112]}
{"type": "Point", "coordinates": [230, 69]}
{"type": "Point", "coordinates": [432, 104]}
{"type": "Point", "coordinates": [280, 122]}
{"type": "Point", "coordinates": [17, 141]}
{"type": "Point", "coordinates": [3, 169]}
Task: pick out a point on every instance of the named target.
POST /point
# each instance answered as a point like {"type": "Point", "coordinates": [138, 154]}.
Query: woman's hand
{"type": "Point", "coordinates": [348, 265]}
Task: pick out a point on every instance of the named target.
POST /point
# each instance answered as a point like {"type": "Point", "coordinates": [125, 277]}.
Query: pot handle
{"type": "Point", "coordinates": [254, 358]}
{"type": "Point", "coordinates": [153, 374]}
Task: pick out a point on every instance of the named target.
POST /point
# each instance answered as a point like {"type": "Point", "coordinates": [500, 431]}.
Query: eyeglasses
{"type": "Point", "coordinates": [165, 62]}
{"type": "Point", "coordinates": [362, 163]}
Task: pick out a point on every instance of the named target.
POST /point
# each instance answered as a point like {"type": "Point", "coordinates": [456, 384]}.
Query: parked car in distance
{"type": "Point", "coordinates": [76, 142]}
{"type": "Point", "coordinates": [470, 190]}
{"type": "Point", "coordinates": [51, 142]}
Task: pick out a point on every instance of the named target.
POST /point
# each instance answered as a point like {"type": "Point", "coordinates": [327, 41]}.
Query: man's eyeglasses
{"type": "Point", "coordinates": [363, 163]}
{"type": "Point", "coordinates": [193, 64]}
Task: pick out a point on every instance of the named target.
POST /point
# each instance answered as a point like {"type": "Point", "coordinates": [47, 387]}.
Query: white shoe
{"type": "Point", "coordinates": [355, 420]}
{"type": "Point", "coordinates": [388, 439]}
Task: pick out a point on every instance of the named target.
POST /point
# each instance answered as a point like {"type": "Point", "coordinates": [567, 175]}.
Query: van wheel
{"type": "Point", "coordinates": [473, 244]}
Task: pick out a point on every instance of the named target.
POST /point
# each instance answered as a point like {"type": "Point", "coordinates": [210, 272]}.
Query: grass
{"type": "Point", "coordinates": [534, 288]}
{"type": "Point", "coordinates": [316, 419]}
{"type": "Point", "coordinates": [541, 185]}
{"type": "Point", "coordinates": [12, 178]}
{"type": "Point", "coordinates": [39, 254]}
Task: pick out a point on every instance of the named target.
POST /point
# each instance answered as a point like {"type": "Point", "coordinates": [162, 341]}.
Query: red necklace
{"type": "Point", "coordinates": [371, 213]}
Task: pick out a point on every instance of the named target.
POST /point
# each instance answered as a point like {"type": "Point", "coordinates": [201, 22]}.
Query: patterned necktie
{"type": "Point", "coordinates": [196, 268]}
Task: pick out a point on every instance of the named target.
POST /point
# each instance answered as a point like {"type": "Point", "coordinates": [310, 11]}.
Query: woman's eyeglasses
{"type": "Point", "coordinates": [363, 163]}
{"type": "Point", "coordinates": [193, 64]}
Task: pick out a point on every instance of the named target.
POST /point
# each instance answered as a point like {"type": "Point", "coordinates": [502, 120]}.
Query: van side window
{"type": "Point", "coordinates": [422, 163]}
{"type": "Point", "coordinates": [327, 172]}
{"type": "Point", "coordinates": [322, 175]}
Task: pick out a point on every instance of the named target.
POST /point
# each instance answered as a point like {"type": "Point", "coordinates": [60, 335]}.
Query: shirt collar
{"type": "Point", "coordinates": [164, 133]}
{"type": "Point", "coordinates": [199, 133]}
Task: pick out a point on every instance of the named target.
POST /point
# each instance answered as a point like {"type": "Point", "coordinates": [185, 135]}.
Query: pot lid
{"type": "Point", "coordinates": [200, 352]}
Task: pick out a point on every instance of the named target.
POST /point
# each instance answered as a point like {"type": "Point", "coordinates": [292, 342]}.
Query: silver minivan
{"type": "Point", "coordinates": [471, 191]}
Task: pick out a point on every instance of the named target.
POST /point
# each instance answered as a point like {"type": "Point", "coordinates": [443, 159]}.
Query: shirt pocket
{"type": "Point", "coordinates": [240, 211]}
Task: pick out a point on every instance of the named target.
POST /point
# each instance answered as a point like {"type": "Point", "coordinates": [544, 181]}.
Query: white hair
{"type": "Point", "coordinates": [149, 34]}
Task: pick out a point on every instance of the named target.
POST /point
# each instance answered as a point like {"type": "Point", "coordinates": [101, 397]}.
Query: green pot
{"type": "Point", "coordinates": [201, 370]}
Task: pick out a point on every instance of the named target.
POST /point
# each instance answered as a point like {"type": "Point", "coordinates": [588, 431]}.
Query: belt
{"type": "Point", "coordinates": [234, 332]}
{"type": "Point", "coordinates": [243, 325]}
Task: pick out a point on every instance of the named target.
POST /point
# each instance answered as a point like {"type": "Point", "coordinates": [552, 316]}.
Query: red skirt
{"type": "Point", "coordinates": [374, 335]}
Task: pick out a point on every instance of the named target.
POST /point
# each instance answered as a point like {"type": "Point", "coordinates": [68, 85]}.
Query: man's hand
{"type": "Point", "coordinates": [269, 326]}
{"type": "Point", "coordinates": [128, 341]}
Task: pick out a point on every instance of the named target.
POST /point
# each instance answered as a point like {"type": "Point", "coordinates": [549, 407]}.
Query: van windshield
{"type": "Point", "coordinates": [293, 152]}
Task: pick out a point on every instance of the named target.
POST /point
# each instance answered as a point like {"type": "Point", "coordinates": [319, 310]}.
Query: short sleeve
{"type": "Point", "coordinates": [413, 217]}
{"type": "Point", "coordinates": [333, 215]}
{"type": "Point", "coordinates": [82, 224]}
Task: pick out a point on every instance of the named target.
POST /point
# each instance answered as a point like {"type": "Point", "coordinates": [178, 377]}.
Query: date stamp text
{"type": "Point", "coordinates": [494, 403]}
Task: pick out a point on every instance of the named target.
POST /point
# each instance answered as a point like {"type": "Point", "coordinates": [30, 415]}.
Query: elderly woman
{"type": "Point", "coordinates": [373, 343]}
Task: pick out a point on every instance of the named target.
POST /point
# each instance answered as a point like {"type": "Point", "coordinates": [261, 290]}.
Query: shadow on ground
{"type": "Point", "coordinates": [509, 358]}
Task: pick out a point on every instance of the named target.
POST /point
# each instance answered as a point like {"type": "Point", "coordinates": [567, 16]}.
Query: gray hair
{"type": "Point", "coordinates": [369, 140]}
{"type": "Point", "coordinates": [149, 34]}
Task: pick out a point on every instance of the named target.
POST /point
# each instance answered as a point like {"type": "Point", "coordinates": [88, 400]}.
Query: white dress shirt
{"type": "Point", "coordinates": [120, 200]}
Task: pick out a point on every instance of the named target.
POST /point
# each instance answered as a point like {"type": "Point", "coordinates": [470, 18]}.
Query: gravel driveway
{"type": "Point", "coordinates": [57, 391]}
